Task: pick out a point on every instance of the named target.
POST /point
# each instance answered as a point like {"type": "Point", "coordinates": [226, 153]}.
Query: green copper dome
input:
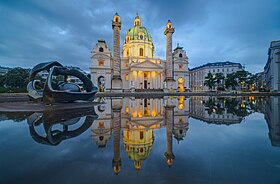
{"type": "Point", "coordinates": [139, 153]}
{"type": "Point", "coordinates": [138, 33]}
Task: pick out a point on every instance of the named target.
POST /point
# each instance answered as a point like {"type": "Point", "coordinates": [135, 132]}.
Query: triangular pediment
{"type": "Point", "coordinates": [146, 64]}
{"type": "Point", "coordinates": [146, 123]}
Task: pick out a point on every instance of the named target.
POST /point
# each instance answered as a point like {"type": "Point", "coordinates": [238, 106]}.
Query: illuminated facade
{"type": "Point", "coordinates": [138, 69]}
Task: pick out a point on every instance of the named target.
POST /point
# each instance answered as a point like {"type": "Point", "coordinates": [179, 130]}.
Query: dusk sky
{"type": "Point", "coordinates": [209, 30]}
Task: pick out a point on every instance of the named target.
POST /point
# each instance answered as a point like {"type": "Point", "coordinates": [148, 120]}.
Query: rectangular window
{"type": "Point", "coordinates": [141, 135]}
{"type": "Point", "coordinates": [181, 67]}
{"type": "Point", "coordinates": [101, 63]}
{"type": "Point", "coordinates": [126, 64]}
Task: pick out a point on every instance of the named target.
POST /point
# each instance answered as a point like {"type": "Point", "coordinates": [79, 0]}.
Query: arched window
{"type": "Point", "coordinates": [117, 20]}
{"type": "Point", "coordinates": [180, 55]}
{"type": "Point", "coordinates": [101, 49]}
{"type": "Point", "coordinates": [141, 52]}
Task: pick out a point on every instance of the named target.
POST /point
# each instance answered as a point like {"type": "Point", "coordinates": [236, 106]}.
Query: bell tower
{"type": "Point", "coordinates": [169, 73]}
{"type": "Point", "coordinates": [116, 79]}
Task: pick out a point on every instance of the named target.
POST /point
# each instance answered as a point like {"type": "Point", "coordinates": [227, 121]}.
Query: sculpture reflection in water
{"type": "Point", "coordinates": [136, 120]}
{"type": "Point", "coordinates": [50, 120]}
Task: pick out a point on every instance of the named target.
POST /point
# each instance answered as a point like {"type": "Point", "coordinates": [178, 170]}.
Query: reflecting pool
{"type": "Point", "coordinates": [153, 140]}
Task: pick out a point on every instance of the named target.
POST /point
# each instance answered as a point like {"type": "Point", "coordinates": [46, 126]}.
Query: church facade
{"type": "Point", "coordinates": [137, 69]}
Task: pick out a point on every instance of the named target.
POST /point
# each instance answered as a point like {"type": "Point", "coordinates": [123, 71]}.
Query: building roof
{"type": "Point", "coordinates": [217, 64]}
{"type": "Point", "coordinates": [275, 44]}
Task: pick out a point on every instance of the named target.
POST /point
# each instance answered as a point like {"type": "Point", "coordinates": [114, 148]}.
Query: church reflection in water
{"type": "Point", "coordinates": [133, 121]}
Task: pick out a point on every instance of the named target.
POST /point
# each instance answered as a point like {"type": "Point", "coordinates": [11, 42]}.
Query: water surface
{"type": "Point", "coordinates": [173, 139]}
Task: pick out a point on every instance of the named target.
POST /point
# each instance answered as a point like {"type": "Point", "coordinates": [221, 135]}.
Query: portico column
{"type": "Point", "coordinates": [151, 106]}
{"type": "Point", "coordinates": [143, 107]}
{"type": "Point", "coordinates": [129, 80]}
{"type": "Point", "coordinates": [150, 81]}
{"type": "Point", "coordinates": [136, 80]}
{"type": "Point", "coordinates": [142, 80]}
{"type": "Point", "coordinates": [161, 82]}
{"type": "Point", "coordinates": [156, 80]}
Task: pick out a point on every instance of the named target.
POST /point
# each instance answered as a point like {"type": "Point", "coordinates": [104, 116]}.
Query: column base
{"type": "Point", "coordinates": [116, 104]}
{"type": "Point", "coordinates": [117, 83]}
{"type": "Point", "coordinates": [170, 85]}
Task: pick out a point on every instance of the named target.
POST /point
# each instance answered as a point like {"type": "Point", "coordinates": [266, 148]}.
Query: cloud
{"type": "Point", "coordinates": [210, 31]}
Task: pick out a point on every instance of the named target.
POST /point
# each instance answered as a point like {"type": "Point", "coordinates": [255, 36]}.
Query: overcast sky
{"type": "Point", "coordinates": [34, 31]}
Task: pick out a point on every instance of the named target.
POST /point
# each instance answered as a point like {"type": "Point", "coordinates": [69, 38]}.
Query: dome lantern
{"type": "Point", "coordinates": [137, 20]}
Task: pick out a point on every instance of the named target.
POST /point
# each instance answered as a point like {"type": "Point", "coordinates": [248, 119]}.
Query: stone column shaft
{"type": "Point", "coordinates": [117, 58]}
{"type": "Point", "coordinates": [116, 79]}
{"type": "Point", "coordinates": [169, 118]}
{"type": "Point", "coordinates": [169, 65]}
{"type": "Point", "coordinates": [116, 108]}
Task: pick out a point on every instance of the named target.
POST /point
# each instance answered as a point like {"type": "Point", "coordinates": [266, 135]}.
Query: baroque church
{"type": "Point", "coordinates": [138, 69]}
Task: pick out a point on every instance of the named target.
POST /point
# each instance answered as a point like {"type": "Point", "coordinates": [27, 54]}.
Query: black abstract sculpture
{"type": "Point", "coordinates": [52, 91]}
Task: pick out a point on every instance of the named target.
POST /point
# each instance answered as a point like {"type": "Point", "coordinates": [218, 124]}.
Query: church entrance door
{"type": "Point", "coordinates": [145, 84]}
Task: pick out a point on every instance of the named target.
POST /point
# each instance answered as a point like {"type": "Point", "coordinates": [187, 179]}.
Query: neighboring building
{"type": "Point", "coordinates": [138, 68]}
{"type": "Point", "coordinates": [44, 75]}
{"type": "Point", "coordinates": [198, 74]}
{"type": "Point", "coordinates": [272, 67]}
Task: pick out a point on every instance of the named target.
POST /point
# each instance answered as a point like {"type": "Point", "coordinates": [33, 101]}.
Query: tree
{"type": "Point", "coordinates": [210, 81]}
{"type": "Point", "coordinates": [16, 78]}
{"type": "Point", "coordinates": [219, 77]}
{"type": "Point", "coordinates": [231, 81]}
{"type": "Point", "coordinates": [214, 106]}
{"type": "Point", "coordinates": [242, 77]}
{"type": "Point", "coordinates": [252, 80]}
